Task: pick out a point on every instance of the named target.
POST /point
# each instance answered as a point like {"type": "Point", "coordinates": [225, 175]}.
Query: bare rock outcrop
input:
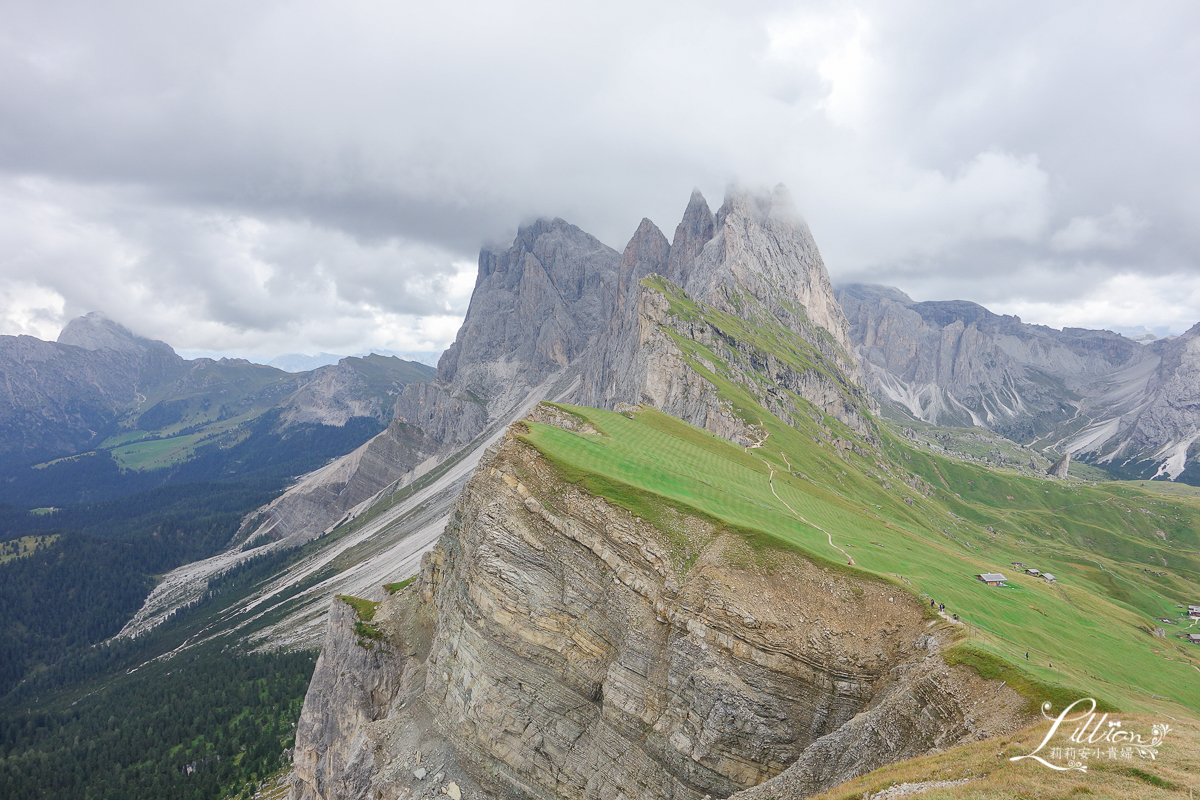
{"type": "Point", "coordinates": [580, 652]}
{"type": "Point", "coordinates": [1060, 467]}
{"type": "Point", "coordinates": [537, 307]}
{"type": "Point", "coordinates": [1167, 426]}
{"type": "Point", "coordinates": [353, 387]}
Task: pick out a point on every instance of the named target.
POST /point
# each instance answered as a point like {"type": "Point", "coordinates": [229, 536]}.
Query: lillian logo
{"type": "Point", "coordinates": [1092, 738]}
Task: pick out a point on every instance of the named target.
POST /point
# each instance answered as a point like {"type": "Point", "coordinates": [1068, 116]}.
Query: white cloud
{"type": "Point", "coordinates": [1116, 230]}
{"type": "Point", "coordinates": [205, 279]}
{"type": "Point", "coordinates": [1124, 300]}
{"type": "Point", "coordinates": [30, 310]}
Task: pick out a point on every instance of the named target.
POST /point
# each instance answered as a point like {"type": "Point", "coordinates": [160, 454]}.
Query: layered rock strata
{"type": "Point", "coordinates": [580, 652]}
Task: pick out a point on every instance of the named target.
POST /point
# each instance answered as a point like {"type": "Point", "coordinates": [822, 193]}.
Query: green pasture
{"type": "Point", "coordinates": [156, 453]}
{"type": "Point", "coordinates": [1086, 624]}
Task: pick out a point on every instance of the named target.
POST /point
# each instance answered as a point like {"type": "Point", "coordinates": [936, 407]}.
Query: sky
{"type": "Point", "coordinates": [260, 178]}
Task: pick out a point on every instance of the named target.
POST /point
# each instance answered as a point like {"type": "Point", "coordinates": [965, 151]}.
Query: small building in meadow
{"type": "Point", "coordinates": [1194, 612]}
{"type": "Point", "coordinates": [1048, 577]}
{"type": "Point", "coordinates": [1033, 572]}
{"type": "Point", "coordinates": [992, 578]}
{"type": "Point", "coordinates": [1194, 638]}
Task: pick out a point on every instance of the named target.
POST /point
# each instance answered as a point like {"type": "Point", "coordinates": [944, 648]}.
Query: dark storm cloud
{"type": "Point", "coordinates": [300, 175]}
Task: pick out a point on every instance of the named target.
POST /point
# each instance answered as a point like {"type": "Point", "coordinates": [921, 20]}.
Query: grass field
{"type": "Point", "coordinates": [156, 452]}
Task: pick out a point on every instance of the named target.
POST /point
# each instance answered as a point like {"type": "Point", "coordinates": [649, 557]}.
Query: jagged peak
{"type": "Point", "coordinates": [648, 251]}
{"type": "Point", "coordinates": [691, 234]}
{"type": "Point", "coordinates": [648, 237]}
{"type": "Point", "coordinates": [95, 331]}
{"type": "Point", "coordinates": [760, 245]}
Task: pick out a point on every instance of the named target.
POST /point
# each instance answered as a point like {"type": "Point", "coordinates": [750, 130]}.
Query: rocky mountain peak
{"type": "Point", "coordinates": [691, 234]}
{"type": "Point", "coordinates": [537, 302]}
{"type": "Point", "coordinates": [94, 331]}
{"type": "Point", "coordinates": [647, 252]}
{"type": "Point", "coordinates": [761, 247]}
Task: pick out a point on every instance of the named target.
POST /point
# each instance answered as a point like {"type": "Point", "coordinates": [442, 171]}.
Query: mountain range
{"type": "Point", "coordinates": [1127, 407]}
{"type": "Point", "coordinates": [640, 588]}
{"type": "Point", "coordinates": [99, 383]}
{"type": "Point", "coordinates": [682, 521]}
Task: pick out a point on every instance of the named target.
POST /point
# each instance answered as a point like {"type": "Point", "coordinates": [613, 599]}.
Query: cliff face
{"type": "Point", "coordinates": [579, 652]}
{"type": "Point", "coordinates": [559, 300]}
{"type": "Point", "coordinates": [762, 248]}
{"type": "Point", "coordinates": [1163, 427]}
{"type": "Point", "coordinates": [353, 387]}
{"type": "Point", "coordinates": [955, 362]}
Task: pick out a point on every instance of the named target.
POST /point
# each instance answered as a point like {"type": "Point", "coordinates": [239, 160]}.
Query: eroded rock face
{"type": "Point", "coordinates": [580, 652]}
{"type": "Point", "coordinates": [353, 387]}
{"type": "Point", "coordinates": [536, 308]}
{"type": "Point", "coordinates": [357, 681]}
{"type": "Point", "coordinates": [956, 363]}
{"type": "Point", "coordinates": [560, 303]}
{"type": "Point", "coordinates": [1168, 426]}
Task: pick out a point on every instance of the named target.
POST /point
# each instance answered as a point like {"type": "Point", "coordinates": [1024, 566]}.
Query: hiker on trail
{"type": "Point", "coordinates": [941, 606]}
{"type": "Point", "coordinates": [932, 603]}
{"type": "Point", "coordinates": [1027, 656]}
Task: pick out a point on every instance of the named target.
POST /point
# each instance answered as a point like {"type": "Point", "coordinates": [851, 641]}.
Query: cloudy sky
{"type": "Point", "coordinates": [269, 177]}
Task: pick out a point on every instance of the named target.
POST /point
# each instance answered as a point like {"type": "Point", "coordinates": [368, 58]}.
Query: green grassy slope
{"type": "Point", "coordinates": [1124, 557]}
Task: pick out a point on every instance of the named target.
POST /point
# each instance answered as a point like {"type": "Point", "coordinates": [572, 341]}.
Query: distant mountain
{"type": "Point", "coordinates": [299, 362]}
{"type": "Point", "coordinates": [102, 389]}
{"type": "Point", "coordinates": [1127, 406]}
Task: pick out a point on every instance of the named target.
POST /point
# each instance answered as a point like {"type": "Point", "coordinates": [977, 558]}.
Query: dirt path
{"type": "Point", "coordinates": [797, 515]}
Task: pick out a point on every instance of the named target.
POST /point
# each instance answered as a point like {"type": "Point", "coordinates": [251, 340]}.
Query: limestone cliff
{"type": "Point", "coordinates": [580, 652]}
{"type": "Point", "coordinates": [1157, 425]}
{"type": "Point", "coordinates": [537, 307]}
{"type": "Point", "coordinates": [955, 362]}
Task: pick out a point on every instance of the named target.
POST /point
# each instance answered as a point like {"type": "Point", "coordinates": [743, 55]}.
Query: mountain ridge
{"type": "Point", "coordinates": [1106, 399]}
